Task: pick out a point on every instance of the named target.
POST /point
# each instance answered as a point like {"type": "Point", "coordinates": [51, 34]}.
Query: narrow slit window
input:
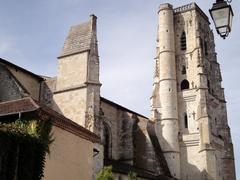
{"type": "Point", "coordinates": [206, 48]}
{"type": "Point", "coordinates": [208, 85]}
{"type": "Point", "coordinates": [183, 42]}
{"type": "Point", "coordinates": [185, 120]}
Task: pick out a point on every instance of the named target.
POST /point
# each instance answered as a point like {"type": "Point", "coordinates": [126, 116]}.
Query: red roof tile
{"type": "Point", "coordinates": [28, 105]}
{"type": "Point", "coordinates": [17, 106]}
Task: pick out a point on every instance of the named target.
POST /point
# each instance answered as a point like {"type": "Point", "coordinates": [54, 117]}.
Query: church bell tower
{"type": "Point", "coordinates": [188, 103]}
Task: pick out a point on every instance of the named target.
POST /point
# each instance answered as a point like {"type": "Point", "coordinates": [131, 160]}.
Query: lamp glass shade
{"type": "Point", "coordinates": [222, 15]}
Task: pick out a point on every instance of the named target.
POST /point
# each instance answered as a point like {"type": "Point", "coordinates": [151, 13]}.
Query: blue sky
{"type": "Point", "coordinates": [32, 34]}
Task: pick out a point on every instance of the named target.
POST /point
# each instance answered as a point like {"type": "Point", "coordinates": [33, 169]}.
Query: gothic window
{"type": "Point", "coordinates": [183, 69]}
{"type": "Point", "coordinates": [184, 84]}
{"type": "Point", "coordinates": [107, 142]}
{"type": "Point", "coordinates": [183, 41]}
{"type": "Point", "coordinates": [185, 120]}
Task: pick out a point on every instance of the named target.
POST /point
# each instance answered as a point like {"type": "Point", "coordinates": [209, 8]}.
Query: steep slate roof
{"type": "Point", "coordinates": [79, 38]}
{"type": "Point", "coordinates": [28, 105]}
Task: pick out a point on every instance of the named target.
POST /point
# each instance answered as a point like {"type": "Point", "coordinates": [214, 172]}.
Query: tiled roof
{"type": "Point", "coordinates": [28, 105]}
{"type": "Point", "coordinates": [78, 40]}
{"type": "Point", "coordinates": [17, 106]}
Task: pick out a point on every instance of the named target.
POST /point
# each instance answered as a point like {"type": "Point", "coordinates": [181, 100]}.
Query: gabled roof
{"type": "Point", "coordinates": [28, 105]}
{"type": "Point", "coordinates": [21, 69]}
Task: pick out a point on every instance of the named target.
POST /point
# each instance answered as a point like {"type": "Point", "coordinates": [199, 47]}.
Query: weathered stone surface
{"type": "Point", "coordinates": [203, 133]}
{"type": "Point", "coordinates": [9, 88]}
{"type": "Point", "coordinates": [188, 106]}
{"type": "Point", "coordinates": [128, 140]}
{"type": "Point", "coordinates": [78, 40]}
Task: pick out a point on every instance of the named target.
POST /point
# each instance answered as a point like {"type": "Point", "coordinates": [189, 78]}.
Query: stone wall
{"type": "Point", "coordinates": [10, 89]}
{"type": "Point", "coordinates": [72, 104]}
{"type": "Point", "coordinates": [203, 101]}
{"type": "Point", "coordinates": [72, 71]}
{"type": "Point", "coordinates": [48, 87]}
{"type": "Point", "coordinates": [129, 141]}
{"type": "Point", "coordinates": [30, 83]}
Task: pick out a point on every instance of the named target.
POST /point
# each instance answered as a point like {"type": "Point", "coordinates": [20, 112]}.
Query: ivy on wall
{"type": "Point", "coordinates": [23, 147]}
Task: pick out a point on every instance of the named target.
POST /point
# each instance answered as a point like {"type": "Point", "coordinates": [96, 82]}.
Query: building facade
{"type": "Point", "coordinates": [188, 103]}
{"type": "Point", "coordinates": [187, 136]}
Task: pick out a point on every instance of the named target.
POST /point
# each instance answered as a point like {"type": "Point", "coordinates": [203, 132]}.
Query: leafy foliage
{"type": "Point", "coordinates": [24, 144]}
{"type": "Point", "coordinates": [105, 174]}
{"type": "Point", "coordinates": [132, 176]}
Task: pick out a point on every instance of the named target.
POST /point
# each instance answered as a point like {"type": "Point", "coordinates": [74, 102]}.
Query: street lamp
{"type": "Point", "coordinates": [222, 15]}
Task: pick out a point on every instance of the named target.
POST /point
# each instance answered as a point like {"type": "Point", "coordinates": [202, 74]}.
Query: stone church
{"type": "Point", "coordinates": [187, 136]}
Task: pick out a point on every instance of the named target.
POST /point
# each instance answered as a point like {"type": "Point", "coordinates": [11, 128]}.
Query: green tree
{"type": "Point", "coordinates": [105, 174]}
{"type": "Point", "coordinates": [24, 144]}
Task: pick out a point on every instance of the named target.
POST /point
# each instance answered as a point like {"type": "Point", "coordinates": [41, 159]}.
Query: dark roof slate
{"type": "Point", "coordinates": [78, 40]}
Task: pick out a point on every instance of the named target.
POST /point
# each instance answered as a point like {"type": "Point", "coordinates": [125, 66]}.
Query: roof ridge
{"type": "Point", "coordinates": [14, 100]}
{"type": "Point", "coordinates": [21, 68]}
{"type": "Point", "coordinates": [122, 107]}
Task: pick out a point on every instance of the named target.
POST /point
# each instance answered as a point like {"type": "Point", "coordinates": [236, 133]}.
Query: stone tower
{"type": "Point", "coordinates": [188, 103]}
{"type": "Point", "coordinates": [77, 94]}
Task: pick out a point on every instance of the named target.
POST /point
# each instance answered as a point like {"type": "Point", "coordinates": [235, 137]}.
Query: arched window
{"type": "Point", "coordinates": [183, 41]}
{"type": "Point", "coordinates": [183, 69]}
{"type": "Point", "coordinates": [184, 84]}
{"type": "Point", "coordinates": [185, 120]}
